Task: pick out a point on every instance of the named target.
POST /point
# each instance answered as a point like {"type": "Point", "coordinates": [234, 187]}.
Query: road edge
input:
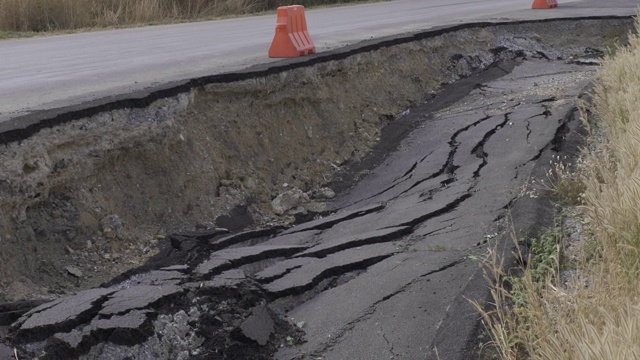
{"type": "Point", "coordinates": [22, 127]}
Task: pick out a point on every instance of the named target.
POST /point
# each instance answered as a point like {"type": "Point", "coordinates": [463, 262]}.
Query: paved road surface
{"type": "Point", "coordinates": [52, 72]}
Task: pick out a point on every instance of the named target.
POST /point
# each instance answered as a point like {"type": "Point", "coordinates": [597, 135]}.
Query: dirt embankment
{"type": "Point", "coordinates": [86, 200]}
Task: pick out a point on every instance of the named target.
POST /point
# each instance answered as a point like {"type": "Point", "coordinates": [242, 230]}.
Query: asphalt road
{"type": "Point", "coordinates": [46, 73]}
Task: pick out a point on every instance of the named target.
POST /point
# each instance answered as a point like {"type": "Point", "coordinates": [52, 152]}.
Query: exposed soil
{"type": "Point", "coordinates": [87, 200]}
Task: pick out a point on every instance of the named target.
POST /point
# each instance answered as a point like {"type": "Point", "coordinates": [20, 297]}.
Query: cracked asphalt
{"type": "Point", "coordinates": [384, 276]}
{"type": "Point", "coordinates": [451, 181]}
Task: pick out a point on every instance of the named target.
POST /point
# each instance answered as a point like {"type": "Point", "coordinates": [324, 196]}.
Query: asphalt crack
{"type": "Point", "coordinates": [375, 237]}
{"type": "Point", "coordinates": [372, 308]}
{"type": "Point", "coordinates": [448, 232]}
{"type": "Point", "coordinates": [478, 149]}
{"type": "Point", "coordinates": [558, 137]}
{"type": "Point", "coordinates": [448, 167]}
{"type": "Point", "coordinates": [413, 167]}
{"type": "Point", "coordinates": [45, 329]}
{"type": "Point", "coordinates": [426, 156]}
{"type": "Point", "coordinates": [549, 99]}
{"type": "Point", "coordinates": [419, 278]}
{"type": "Point", "coordinates": [439, 212]}
{"type": "Point", "coordinates": [436, 230]}
{"type": "Point", "coordinates": [389, 343]}
{"type": "Point", "coordinates": [384, 190]}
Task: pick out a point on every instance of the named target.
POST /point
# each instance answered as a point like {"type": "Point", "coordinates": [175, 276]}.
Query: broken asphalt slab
{"type": "Point", "coordinates": [137, 297]}
{"type": "Point", "coordinates": [306, 276]}
{"type": "Point", "coordinates": [127, 329]}
{"type": "Point", "coordinates": [259, 325]}
{"type": "Point", "coordinates": [60, 314]}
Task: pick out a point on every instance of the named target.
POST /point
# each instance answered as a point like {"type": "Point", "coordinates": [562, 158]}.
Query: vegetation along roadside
{"type": "Point", "coordinates": [19, 18]}
{"type": "Point", "coordinates": [577, 296]}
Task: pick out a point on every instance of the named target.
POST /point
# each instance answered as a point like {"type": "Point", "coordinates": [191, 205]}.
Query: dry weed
{"type": "Point", "coordinates": [47, 15]}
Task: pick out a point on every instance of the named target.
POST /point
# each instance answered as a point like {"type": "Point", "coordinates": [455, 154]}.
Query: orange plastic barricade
{"type": "Point", "coordinates": [544, 4]}
{"type": "Point", "coordinates": [292, 37]}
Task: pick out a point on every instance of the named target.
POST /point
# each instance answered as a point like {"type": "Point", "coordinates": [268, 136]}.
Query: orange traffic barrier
{"type": "Point", "coordinates": [544, 4]}
{"type": "Point", "coordinates": [292, 37]}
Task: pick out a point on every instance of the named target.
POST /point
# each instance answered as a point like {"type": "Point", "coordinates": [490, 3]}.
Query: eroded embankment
{"type": "Point", "coordinates": [88, 199]}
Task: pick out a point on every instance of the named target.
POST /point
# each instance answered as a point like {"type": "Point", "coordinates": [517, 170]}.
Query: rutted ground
{"type": "Point", "coordinates": [400, 239]}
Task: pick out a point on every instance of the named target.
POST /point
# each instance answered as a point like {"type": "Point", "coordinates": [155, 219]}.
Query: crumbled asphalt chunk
{"type": "Point", "coordinates": [131, 320]}
{"type": "Point", "coordinates": [252, 253]}
{"type": "Point", "coordinates": [259, 326]}
{"type": "Point", "coordinates": [324, 194]}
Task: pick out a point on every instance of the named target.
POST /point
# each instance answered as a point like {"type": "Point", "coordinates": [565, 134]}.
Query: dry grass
{"type": "Point", "coordinates": [48, 15]}
{"type": "Point", "coordinates": [595, 315]}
